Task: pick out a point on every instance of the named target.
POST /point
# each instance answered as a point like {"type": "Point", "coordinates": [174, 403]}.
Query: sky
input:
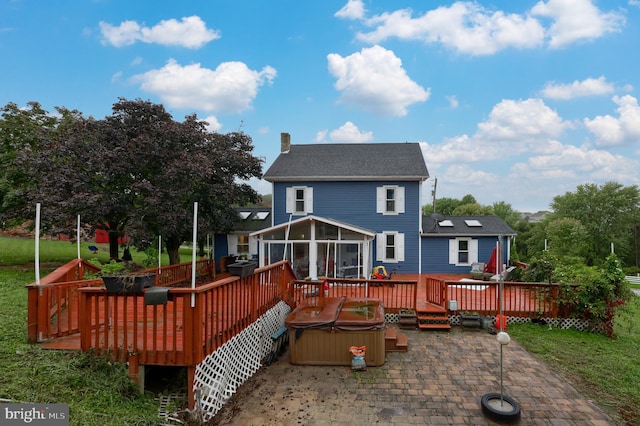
{"type": "Point", "coordinates": [514, 101]}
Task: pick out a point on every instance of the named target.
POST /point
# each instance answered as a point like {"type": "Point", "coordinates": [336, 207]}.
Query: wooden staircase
{"type": "Point", "coordinates": [394, 341]}
{"type": "Point", "coordinates": [432, 317]}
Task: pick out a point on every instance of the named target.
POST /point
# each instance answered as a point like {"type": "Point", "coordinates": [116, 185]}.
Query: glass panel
{"type": "Point", "coordinates": [300, 231]}
{"type": "Point", "coordinates": [301, 259]}
{"type": "Point", "coordinates": [324, 231]}
{"type": "Point", "coordinates": [243, 244]}
{"type": "Point", "coordinates": [345, 234]}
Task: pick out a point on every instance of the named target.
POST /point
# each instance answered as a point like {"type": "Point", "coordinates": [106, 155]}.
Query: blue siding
{"type": "Point", "coordinates": [355, 203]}
{"type": "Point", "coordinates": [435, 252]}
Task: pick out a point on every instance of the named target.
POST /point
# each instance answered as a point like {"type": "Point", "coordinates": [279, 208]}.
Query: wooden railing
{"type": "Point", "coordinates": [395, 294]}
{"type": "Point", "coordinates": [192, 324]}
{"type": "Point", "coordinates": [518, 299]}
{"type": "Point", "coordinates": [53, 308]}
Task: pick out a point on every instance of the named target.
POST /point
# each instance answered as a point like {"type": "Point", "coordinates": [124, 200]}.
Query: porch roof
{"type": "Point", "coordinates": [366, 232]}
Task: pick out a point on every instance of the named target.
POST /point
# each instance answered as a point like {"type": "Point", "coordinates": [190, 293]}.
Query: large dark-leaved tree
{"type": "Point", "coordinates": [139, 172]}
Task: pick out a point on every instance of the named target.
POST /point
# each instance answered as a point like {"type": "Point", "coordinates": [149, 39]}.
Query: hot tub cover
{"type": "Point", "coordinates": [337, 313]}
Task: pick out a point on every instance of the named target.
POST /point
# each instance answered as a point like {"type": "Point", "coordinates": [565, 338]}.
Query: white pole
{"type": "Point", "coordinates": [286, 238]}
{"type": "Point", "coordinates": [193, 255]}
{"type": "Point", "coordinates": [159, 254]}
{"type": "Point", "coordinates": [612, 250]}
{"type": "Point", "coordinates": [37, 243]}
{"type": "Point", "coordinates": [78, 236]}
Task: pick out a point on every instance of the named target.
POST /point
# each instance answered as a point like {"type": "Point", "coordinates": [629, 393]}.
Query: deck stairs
{"type": "Point", "coordinates": [394, 341]}
{"type": "Point", "coordinates": [432, 317]}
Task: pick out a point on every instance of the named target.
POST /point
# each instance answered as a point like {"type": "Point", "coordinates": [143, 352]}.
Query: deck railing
{"type": "Point", "coordinates": [192, 324]}
{"type": "Point", "coordinates": [395, 294]}
{"type": "Point", "coordinates": [519, 299]}
{"type": "Point", "coordinates": [53, 308]}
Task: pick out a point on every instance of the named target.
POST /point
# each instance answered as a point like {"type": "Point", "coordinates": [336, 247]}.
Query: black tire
{"type": "Point", "coordinates": [508, 412]}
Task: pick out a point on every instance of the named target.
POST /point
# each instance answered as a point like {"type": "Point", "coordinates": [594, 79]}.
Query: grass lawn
{"type": "Point", "coordinates": [605, 370]}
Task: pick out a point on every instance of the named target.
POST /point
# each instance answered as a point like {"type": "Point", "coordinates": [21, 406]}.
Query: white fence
{"type": "Point", "coordinates": [633, 279]}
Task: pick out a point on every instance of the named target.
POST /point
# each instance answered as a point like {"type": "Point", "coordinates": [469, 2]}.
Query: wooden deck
{"type": "Point", "coordinates": [68, 313]}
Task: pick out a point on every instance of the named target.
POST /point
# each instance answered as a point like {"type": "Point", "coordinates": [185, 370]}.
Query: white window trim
{"type": "Point", "coordinates": [472, 244]}
{"type": "Point", "coordinates": [381, 199]}
{"type": "Point", "coordinates": [381, 245]}
{"type": "Point", "coordinates": [291, 200]}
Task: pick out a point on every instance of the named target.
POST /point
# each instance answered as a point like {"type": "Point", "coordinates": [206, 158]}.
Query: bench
{"type": "Point", "coordinates": [279, 341]}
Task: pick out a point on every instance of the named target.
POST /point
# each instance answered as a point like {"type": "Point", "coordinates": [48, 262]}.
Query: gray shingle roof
{"type": "Point", "coordinates": [353, 161]}
{"type": "Point", "coordinates": [252, 219]}
{"type": "Point", "coordinates": [490, 225]}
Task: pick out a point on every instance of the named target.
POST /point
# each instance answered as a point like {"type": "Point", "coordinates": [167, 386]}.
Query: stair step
{"type": "Point", "coordinates": [390, 333]}
{"type": "Point", "coordinates": [403, 341]}
{"type": "Point", "coordinates": [440, 326]}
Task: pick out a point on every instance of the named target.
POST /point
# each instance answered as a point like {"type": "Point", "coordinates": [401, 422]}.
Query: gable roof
{"type": "Point", "coordinates": [338, 223]}
{"type": "Point", "coordinates": [252, 219]}
{"type": "Point", "coordinates": [349, 161]}
{"type": "Point", "coordinates": [440, 226]}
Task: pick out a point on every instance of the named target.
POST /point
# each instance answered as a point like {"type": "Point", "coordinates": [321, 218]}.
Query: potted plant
{"type": "Point", "coordinates": [125, 277]}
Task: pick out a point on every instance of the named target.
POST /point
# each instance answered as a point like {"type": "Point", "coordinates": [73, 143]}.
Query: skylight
{"type": "Point", "coordinates": [244, 215]}
{"type": "Point", "coordinates": [445, 223]}
{"type": "Point", "coordinates": [261, 216]}
{"type": "Point", "coordinates": [472, 222]}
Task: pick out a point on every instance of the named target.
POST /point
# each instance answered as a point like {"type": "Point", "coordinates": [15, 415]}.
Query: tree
{"type": "Point", "coordinates": [20, 129]}
{"type": "Point", "coordinates": [567, 237]}
{"type": "Point", "coordinates": [139, 170]}
{"type": "Point", "coordinates": [505, 212]}
{"type": "Point", "coordinates": [608, 213]}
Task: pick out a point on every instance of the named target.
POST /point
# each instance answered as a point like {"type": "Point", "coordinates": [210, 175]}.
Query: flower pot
{"type": "Point", "coordinates": [242, 269]}
{"type": "Point", "coordinates": [131, 283]}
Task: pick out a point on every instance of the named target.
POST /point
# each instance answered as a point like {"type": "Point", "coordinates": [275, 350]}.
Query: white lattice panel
{"type": "Point", "coordinates": [220, 374]}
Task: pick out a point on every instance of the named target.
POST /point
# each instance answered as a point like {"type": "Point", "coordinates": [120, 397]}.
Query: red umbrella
{"type": "Point", "coordinates": [491, 264]}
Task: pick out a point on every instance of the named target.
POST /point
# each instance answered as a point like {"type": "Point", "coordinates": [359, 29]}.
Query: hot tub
{"type": "Point", "coordinates": [322, 329]}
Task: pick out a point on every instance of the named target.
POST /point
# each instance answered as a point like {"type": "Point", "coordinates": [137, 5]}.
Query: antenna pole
{"type": "Point", "coordinates": [433, 193]}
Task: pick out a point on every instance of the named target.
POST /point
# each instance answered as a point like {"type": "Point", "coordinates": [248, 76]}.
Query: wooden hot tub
{"type": "Point", "coordinates": [322, 329]}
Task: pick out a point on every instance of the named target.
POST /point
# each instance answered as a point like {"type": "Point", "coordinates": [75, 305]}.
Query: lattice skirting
{"type": "Point", "coordinates": [562, 323]}
{"type": "Point", "coordinates": [220, 374]}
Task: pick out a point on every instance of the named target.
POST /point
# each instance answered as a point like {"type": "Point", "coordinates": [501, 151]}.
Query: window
{"type": "Point", "coordinates": [390, 199]}
{"type": "Point", "coordinates": [463, 251]}
{"type": "Point", "coordinates": [390, 247]}
{"type": "Point", "coordinates": [243, 244]}
{"type": "Point", "coordinates": [299, 200]}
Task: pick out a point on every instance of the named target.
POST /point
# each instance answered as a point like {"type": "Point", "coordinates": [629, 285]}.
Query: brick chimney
{"type": "Point", "coordinates": [285, 142]}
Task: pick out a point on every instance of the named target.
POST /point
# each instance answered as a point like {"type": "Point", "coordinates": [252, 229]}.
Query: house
{"type": "Point", "coordinates": [238, 243]}
{"type": "Point", "coordinates": [338, 210]}
{"type": "Point", "coordinates": [450, 244]}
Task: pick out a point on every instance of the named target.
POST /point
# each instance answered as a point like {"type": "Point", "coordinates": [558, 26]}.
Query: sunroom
{"type": "Point", "coordinates": [318, 247]}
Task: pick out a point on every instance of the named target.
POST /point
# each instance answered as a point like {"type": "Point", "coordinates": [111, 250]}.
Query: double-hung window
{"type": "Point", "coordinates": [390, 199]}
{"type": "Point", "coordinates": [390, 247]}
{"type": "Point", "coordinates": [299, 200]}
{"type": "Point", "coordinates": [463, 251]}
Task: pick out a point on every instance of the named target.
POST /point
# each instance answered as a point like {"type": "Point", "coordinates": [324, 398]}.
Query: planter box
{"type": "Point", "coordinates": [470, 320]}
{"type": "Point", "coordinates": [242, 269]}
{"type": "Point", "coordinates": [133, 283]}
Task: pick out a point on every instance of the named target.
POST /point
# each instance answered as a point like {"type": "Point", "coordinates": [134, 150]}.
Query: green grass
{"type": "Point", "coordinates": [605, 370]}
{"type": "Point", "coordinates": [98, 392]}
{"type": "Point", "coordinates": [21, 251]}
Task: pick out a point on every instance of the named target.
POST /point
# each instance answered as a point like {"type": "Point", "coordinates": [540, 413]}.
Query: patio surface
{"type": "Point", "coordinates": [439, 381]}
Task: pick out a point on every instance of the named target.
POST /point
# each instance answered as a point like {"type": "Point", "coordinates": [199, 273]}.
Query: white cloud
{"type": "Point", "coordinates": [576, 20]}
{"type": "Point", "coordinates": [191, 32]}
{"type": "Point", "coordinates": [213, 124]}
{"type": "Point", "coordinates": [588, 87]}
{"type": "Point", "coordinates": [512, 128]}
{"type": "Point", "coordinates": [375, 80]}
{"type": "Point", "coordinates": [349, 132]}
{"type": "Point", "coordinates": [609, 130]}
{"type": "Point", "coordinates": [453, 102]}
{"type": "Point", "coordinates": [354, 9]}
{"type": "Point", "coordinates": [231, 87]}
{"type": "Point", "coordinates": [464, 26]}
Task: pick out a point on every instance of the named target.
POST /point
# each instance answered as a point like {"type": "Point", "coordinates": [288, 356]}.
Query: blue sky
{"type": "Point", "coordinates": [515, 101]}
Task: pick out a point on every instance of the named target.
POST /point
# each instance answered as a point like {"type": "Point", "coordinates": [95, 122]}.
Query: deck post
{"type": "Point", "coordinates": [136, 372]}
{"type": "Point", "coordinates": [191, 377]}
